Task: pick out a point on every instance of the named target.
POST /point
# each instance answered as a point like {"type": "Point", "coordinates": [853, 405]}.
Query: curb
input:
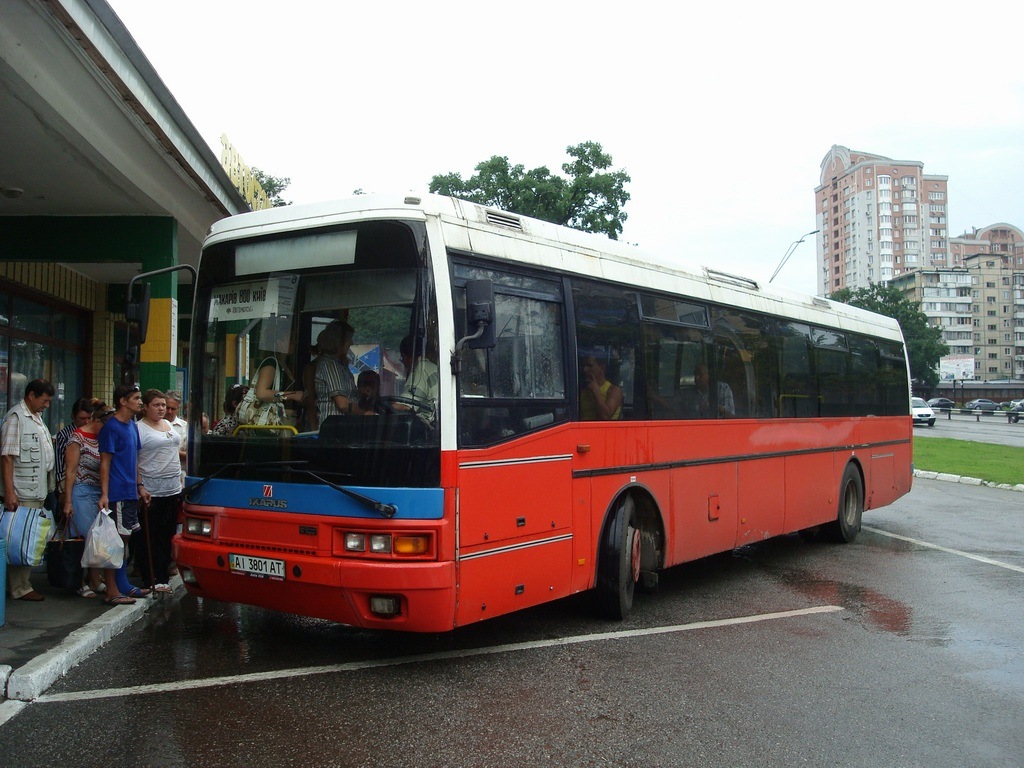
{"type": "Point", "coordinates": [948, 478]}
{"type": "Point", "coordinates": [31, 680]}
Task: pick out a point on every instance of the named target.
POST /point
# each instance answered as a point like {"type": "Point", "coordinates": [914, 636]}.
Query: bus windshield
{"type": "Point", "coordinates": [320, 358]}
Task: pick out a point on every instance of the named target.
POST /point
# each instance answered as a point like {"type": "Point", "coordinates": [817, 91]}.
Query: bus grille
{"type": "Point", "coordinates": [266, 548]}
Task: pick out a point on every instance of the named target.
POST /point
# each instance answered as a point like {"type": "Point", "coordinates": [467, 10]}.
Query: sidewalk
{"type": "Point", "coordinates": [40, 642]}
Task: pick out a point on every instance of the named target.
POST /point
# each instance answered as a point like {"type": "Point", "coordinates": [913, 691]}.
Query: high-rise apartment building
{"type": "Point", "coordinates": [878, 218]}
{"type": "Point", "coordinates": [980, 304]}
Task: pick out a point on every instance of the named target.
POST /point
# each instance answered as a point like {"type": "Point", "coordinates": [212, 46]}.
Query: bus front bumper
{"type": "Point", "coordinates": [406, 596]}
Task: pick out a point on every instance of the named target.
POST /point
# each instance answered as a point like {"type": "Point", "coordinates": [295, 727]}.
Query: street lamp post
{"type": "Point", "coordinates": [789, 252]}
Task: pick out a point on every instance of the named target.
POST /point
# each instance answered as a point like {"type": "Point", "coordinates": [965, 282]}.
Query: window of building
{"type": "Point", "coordinates": [43, 341]}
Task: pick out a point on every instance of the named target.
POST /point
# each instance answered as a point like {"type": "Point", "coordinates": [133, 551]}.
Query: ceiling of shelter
{"type": "Point", "coordinates": [70, 146]}
{"type": "Point", "coordinates": [46, 170]}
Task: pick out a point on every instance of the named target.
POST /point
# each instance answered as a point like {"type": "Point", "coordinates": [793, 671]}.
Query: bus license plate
{"type": "Point", "coordinates": [256, 566]}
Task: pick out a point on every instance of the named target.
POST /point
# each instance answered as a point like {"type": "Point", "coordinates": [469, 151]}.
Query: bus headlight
{"type": "Point", "coordinates": [384, 546]}
{"type": "Point", "coordinates": [199, 526]}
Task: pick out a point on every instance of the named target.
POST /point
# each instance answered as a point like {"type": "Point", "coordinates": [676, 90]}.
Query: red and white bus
{"type": "Point", "coordinates": [486, 488]}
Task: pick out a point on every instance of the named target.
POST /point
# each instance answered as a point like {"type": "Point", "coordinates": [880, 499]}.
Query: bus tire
{"type": "Point", "coordinates": [619, 562]}
{"type": "Point", "coordinates": [846, 526]}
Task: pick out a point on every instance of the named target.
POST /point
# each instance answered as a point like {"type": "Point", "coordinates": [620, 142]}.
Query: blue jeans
{"type": "Point", "coordinates": [85, 505]}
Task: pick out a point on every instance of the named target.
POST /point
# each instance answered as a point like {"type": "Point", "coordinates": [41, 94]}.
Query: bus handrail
{"type": "Point", "coordinates": [286, 427]}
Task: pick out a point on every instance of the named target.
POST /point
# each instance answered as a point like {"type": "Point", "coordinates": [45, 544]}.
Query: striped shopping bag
{"type": "Point", "coordinates": [27, 529]}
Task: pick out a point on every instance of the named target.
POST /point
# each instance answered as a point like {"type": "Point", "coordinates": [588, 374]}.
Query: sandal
{"type": "Point", "coordinates": [138, 592]}
{"type": "Point", "coordinates": [119, 600]}
{"type": "Point", "coordinates": [163, 589]}
{"type": "Point", "coordinates": [85, 591]}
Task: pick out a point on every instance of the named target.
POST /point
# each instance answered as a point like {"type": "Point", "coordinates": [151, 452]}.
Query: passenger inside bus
{"type": "Point", "coordinates": [422, 378]}
{"type": "Point", "coordinates": [335, 387]}
{"type": "Point", "coordinates": [696, 400]}
{"type": "Point", "coordinates": [368, 390]}
{"type": "Point", "coordinates": [600, 400]}
{"type": "Point", "coordinates": [268, 382]}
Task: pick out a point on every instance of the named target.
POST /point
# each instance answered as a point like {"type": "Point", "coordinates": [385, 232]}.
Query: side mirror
{"type": "Point", "coordinates": [137, 315]}
{"type": "Point", "coordinates": [480, 314]}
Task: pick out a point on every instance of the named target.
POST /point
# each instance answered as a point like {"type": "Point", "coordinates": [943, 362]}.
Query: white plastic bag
{"type": "Point", "coordinates": [103, 545]}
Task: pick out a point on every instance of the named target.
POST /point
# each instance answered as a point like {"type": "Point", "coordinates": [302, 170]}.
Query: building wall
{"type": "Point", "coordinates": [878, 218]}
{"type": "Point", "coordinates": [980, 304]}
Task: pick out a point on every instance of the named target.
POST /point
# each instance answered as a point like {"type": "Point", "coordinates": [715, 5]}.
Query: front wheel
{"type": "Point", "coordinates": [931, 423]}
{"type": "Point", "coordinates": [851, 508]}
{"type": "Point", "coordinates": [619, 562]}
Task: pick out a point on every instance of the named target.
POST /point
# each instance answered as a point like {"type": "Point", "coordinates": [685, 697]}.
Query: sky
{"type": "Point", "coordinates": [720, 112]}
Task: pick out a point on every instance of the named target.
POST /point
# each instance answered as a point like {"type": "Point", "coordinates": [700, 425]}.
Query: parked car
{"type": "Point", "coordinates": [1016, 404]}
{"type": "Point", "coordinates": [981, 404]}
{"type": "Point", "coordinates": [922, 412]}
{"type": "Point", "coordinates": [941, 402]}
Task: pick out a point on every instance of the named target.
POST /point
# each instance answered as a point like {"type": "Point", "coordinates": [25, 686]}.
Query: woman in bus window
{"type": "Point", "coordinates": [600, 400]}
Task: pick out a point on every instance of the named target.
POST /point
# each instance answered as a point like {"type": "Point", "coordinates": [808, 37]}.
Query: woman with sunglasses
{"type": "Point", "coordinates": [82, 490]}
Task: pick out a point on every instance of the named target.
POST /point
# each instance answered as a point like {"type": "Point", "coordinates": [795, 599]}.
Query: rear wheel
{"type": "Point", "coordinates": [851, 508]}
{"type": "Point", "coordinates": [619, 564]}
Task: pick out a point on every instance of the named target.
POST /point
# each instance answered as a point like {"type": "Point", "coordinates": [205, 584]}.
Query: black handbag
{"type": "Point", "coordinates": [64, 561]}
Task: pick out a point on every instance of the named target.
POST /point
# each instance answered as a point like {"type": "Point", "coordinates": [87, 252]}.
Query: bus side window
{"type": "Point", "coordinates": [798, 396]}
{"type": "Point", "coordinates": [833, 377]}
{"type": "Point", "coordinates": [672, 354]}
{"type": "Point", "coordinates": [608, 326]}
{"type": "Point", "coordinates": [519, 385]}
{"type": "Point", "coordinates": [892, 379]}
{"type": "Point", "coordinates": [863, 376]}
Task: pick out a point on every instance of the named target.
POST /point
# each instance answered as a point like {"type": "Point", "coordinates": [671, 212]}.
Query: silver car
{"type": "Point", "coordinates": [922, 412]}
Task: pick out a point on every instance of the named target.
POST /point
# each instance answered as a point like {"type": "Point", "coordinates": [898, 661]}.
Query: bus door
{"type": "Point", "coordinates": [514, 479]}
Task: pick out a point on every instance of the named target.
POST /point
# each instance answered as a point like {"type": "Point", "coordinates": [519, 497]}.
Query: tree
{"type": "Point", "coordinates": [590, 199]}
{"type": "Point", "coordinates": [924, 341]}
{"type": "Point", "coordinates": [273, 186]}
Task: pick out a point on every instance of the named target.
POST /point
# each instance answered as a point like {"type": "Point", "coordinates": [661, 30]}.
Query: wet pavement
{"type": "Point", "coordinates": [41, 641]}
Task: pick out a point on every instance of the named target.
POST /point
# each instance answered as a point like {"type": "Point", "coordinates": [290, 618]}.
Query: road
{"type": "Point", "coordinates": [984, 429]}
{"type": "Point", "coordinates": [902, 649]}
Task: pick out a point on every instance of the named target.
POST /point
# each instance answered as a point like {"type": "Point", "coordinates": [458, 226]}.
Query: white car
{"type": "Point", "coordinates": [923, 413]}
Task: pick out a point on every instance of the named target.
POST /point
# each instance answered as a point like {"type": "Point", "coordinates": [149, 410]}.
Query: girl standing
{"type": "Point", "coordinates": [160, 475]}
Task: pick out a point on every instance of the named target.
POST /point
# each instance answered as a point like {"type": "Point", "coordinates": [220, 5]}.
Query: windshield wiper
{"type": "Point", "coordinates": [257, 465]}
{"type": "Point", "coordinates": [380, 507]}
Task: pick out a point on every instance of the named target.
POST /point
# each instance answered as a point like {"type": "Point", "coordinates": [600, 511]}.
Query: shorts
{"type": "Point", "coordinates": [126, 514]}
